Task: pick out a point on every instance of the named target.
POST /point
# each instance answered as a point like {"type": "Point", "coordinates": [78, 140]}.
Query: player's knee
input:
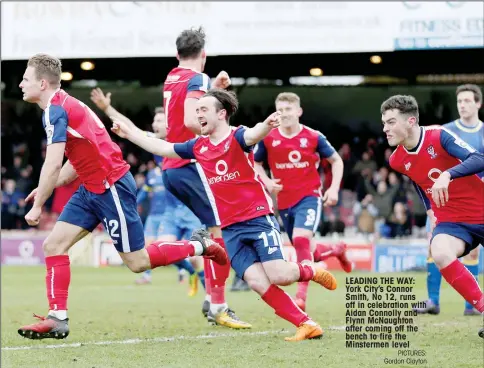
{"type": "Point", "coordinates": [277, 277]}
{"type": "Point", "coordinates": [137, 267]}
{"type": "Point", "coordinates": [473, 255]}
{"type": "Point", "coordinates": [443, 258]}
{"type": "Point", "coordinates": [255, 285]}
{"type": "Point", "coordinates": [53, 248]}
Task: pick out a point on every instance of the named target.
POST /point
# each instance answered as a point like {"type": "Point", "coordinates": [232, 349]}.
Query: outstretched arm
{"type": "Point", "coordinates": [103, 102]}
{"type": "Point", "coordinates": [261, 130]}
{"type": "Point", "coordinates": [154, 145]}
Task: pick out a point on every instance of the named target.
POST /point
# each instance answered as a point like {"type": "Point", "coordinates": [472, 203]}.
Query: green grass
{"type": "Point", "coordinates": [105, 305]}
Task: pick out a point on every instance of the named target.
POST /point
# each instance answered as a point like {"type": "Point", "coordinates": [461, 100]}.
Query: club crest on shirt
{"type": "Point", "coordinates": [408, 165]}
{"type": "Point", "coordinates": [275, 143]}
{"type": "Point", "coordinates": [304, 142]}
{"type": "Point", "coordinates": [431, 152]}
{"type": "Point", "coordinates": [227, 146]}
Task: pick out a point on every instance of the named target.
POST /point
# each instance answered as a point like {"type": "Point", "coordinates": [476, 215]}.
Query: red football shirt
{"type": "Point", "coordinates": [180, 84]}
{"type": "Point", "coordinates": [229, 172]}
{"type": "Point", "coordinates": [295, 161]}
{"type": "Point", "coordinates": [96, 158]}
{"type": "Point", "coordinates": [437, 151]}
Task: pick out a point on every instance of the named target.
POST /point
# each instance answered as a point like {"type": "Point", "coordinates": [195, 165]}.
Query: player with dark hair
{"type": "Point", "coordinates": [443, 169]}
{"type": "Point", "coordinates": [251, 232]}
{"type": "Point", "coordinates": [184, 178]}
{"type": "Point", "coordinates": [471, 130]}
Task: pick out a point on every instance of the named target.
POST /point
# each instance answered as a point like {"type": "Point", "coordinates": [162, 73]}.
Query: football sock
{"type": "Point", "coordinates": [166, 253]}
{"type": "Point", "coordinates": [434, 279]}
{"type": "Point", "coordinates": [464, 283]}
{"type": "Point", "coordinates": [473, 267]}
{"type": "Point", "coordinates": [284, 306]}
{"type": "Point", "coordinates": [303, 252]}
{"type": "Point", "coordinates": [57, 282]}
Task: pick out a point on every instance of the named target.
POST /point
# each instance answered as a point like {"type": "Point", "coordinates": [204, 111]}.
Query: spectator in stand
{"type": "Point", "coordinates": [365, 164]}
{"type": "Point", "coordinates": [399, 223]}
{"type": "Point", "coordinates": [13, 205]}
{"type": "Point", "coordinates": [365, 213]}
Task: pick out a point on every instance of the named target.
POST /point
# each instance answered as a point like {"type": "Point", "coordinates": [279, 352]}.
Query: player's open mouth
{"type": "Point", "coordinates": [203, 123]}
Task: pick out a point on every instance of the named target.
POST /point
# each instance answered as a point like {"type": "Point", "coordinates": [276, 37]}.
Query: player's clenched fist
{"type": "Point", "coordinates": [274, 120]}
{"type": "Point", "coordinates": [273, 186]}
{"type": "Point", "coordinates": [440, 192]}
{"type": "Point", "coordinates": [222, 80]}
{"type": "Point", "coordinates": [33, 217]}
{"type": "Point", "coordinates": [120, 128]}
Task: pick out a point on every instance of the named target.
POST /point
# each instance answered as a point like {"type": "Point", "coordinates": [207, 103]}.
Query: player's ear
{"type": "Point", "coordinates": [177, 56]}
{"type": "Point", "coordinates": [43, 84]}
{"type": "Point", "coordinates": [299, 112]}
{"type": "Point", "coordinates": [204, 54]}
{"type": "Point", "coordinates": [412, 120]}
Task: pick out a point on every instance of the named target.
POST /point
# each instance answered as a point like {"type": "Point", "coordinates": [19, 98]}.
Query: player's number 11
{"type": "Point", "coordinates": [276, 237]}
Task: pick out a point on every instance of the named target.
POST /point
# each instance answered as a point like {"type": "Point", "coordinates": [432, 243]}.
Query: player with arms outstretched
{"type": "Point", "coordinates": [184, 178]}
{"type": "Point", "coordinates": [294, 152]}
{"type": "Point", "coordinates": [107, 194]}
{"type": "Point", "coordinates": [471, 130]}
{"type": "Point", "coordinates": [442, 168]}
{"type": "Point", "coordinates": [250, 230]}
{"type": "Point", "coordinates": [169, 220]}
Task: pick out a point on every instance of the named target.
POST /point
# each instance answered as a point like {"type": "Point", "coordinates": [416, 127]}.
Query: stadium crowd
{"type": "Point", "coordinates": [374, 200]}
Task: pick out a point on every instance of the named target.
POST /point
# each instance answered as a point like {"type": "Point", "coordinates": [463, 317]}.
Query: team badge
{"type": "Point", "coordinates": [431, 152]}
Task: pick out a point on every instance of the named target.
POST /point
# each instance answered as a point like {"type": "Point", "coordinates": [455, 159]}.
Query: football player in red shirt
{"type": "Point", "coordinates": [107, 194]}
{"type": "Point", "coordinates": [249, 228]}
{"type": "Point", "coordinates": [185, 179]}
{"type": "Point", "coordinates": [294, 153]}
{"type": "Point", "coordinates": [443, 169]}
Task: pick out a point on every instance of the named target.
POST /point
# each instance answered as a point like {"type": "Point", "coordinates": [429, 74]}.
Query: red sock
{"type": "Point", "coordinates": [284, 306]}
{"type": "Point", "coordinates": [57, 281]}
{"type": "Point", "coordinates": [322, 252]}
{"type": "Point", "coordinates": [302, 290]}
{"type": "Point", "coordinates": [219, 277]}
{"type": "Point", "coordinates": [302, 246]}
{"type": "Point", "coordinates": [459, 277]}
{"type": "Point", "coordinates": [306, 272]}
{"type": "Point", "coordinates": [166, 253]}
{"type": "Point", "coordinates": [208, 276]}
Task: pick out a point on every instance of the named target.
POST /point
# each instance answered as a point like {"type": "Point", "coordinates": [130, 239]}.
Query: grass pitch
{"type": "Point", "coordinates": [115, 323]}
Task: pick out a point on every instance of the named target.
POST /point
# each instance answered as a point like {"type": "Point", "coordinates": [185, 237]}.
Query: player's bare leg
{"type": "Point", "coordinates": [263, 278]}
{"type": "Point", "coordinates": [301, 240]}
{"type": "Point", "coordinates": [59, 241]}
{"type": "Point", "coordinates": [445, 249]}
{"type": "Point", "coordinates": [471, 261]}
{"type": "Point", "coordinates": [146, 276]}
{"type": "Point", "coordinates": [218, 311]}
{"type": "Point", "coordinates": [431, 306]}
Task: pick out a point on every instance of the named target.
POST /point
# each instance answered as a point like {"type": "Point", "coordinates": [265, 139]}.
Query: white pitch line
{"type": "Point", "coordinates": [139, 341]}
{"type": "Point", "coordinates": [169, 339]}
{"type": "Point", "coordinates": [156, 339]}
